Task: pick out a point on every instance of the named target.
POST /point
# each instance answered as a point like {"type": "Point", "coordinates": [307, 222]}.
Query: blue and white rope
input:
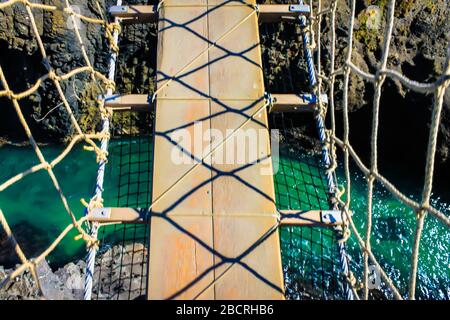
{"type": "Point", "coordinates": [325, 150]}
{"type": "Point", "coordinates": [92, 251]}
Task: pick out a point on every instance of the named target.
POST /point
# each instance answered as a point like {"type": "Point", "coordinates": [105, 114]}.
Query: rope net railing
{"type": "Point", "coordinates": [120, 271]}
{"type": "Point", "coordinates": [327, 82]}
{"type": "Point", "coordinates": [309, 253]}
{"type": "Point", "coordinates": [102, 83]}
{"type": "Point", "coordinates": [121, 264]}
{"type": "Point", "coordinates": [317, 191]}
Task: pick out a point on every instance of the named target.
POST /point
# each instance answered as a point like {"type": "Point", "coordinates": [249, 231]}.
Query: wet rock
{"type": "Point", "coordinates": [418, 49]}
{"type": "Point", "coordinates": [31, 239]}
{"type": "Point", "coordinates": [21, 56]}
{"type": "Point", "coordinates": [20, 288]}
{"type": "Point", "coordinates": [72, 280]}
{"type": "Point", "coordinates": [120, 273]}
{"type": "Point", "coordinates": [51, 285]}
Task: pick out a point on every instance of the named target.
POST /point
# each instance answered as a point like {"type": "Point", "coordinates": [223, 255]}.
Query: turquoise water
{"type": "Point", "coordinates": [393, 234]}
{"type": "Point", "coordinates": [35, 213]}
{"type": "Point", "coordinates": [33, 207]}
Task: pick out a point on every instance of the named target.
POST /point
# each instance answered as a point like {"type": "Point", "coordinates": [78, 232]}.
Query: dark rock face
{"type": "Point", "coordinates": [23, 65]}
{"type": "Point", "coordinates": [32, 241]}
{"type": "Point", "coordinates": [120, 273]}
{"type": "Point", "coordinates": [418, 49]}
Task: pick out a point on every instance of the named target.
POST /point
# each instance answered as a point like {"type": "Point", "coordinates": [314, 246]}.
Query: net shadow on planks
{"type": "Point", "coordinates": [123, 286]}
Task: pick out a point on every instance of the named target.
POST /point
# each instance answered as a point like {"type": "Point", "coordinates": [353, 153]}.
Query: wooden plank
{"type": "Point", "coordinates": [267, 13]}
{"type": "Point", "coordinates": [177, 258]}
{"type": "Point", "coordinates": [205, 213]}
{"type": "Point", "coordinates": [258, 274]}
{"type": "Point", "coordinates": [237, 73]}
{"type": "Point", "coordinates": [133, 102]}
{"type": "Point", "coordinates": [279, 12]}
{"type": "Point", "coordinates": [182, 74]}
{"type": "Point", "coordinates": [327, 218]}
{"type": "Point", "coordinates": [123, 215]}
{"type": "Point", "coordinates": [293, 103]}
{"type": "Point", "coordinates": [180, 259]}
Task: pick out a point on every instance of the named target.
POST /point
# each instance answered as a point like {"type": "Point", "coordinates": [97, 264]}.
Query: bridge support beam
{"type": "Point", "coordinates": [282, 102]}
{"type": "Point", "coordinates": [325, 218]}
{"type": "Point", "coordinates": [119, 215]}
{"type": "Point", "coordinates": [135, 13]}
{"type": "Point", "coordinates": [295, 102]}
{"type": "Point", "coordinates": [267, 13]}
{"type": "Point", "coordinates": [281, 12]}
{"type": "Point", "coordinates": [129, 102]}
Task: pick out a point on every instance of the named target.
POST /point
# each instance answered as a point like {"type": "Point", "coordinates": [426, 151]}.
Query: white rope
{"type": "Point", "coordinates": [92, 251]}
{"type": "Point", "coordinates": [349, 293]}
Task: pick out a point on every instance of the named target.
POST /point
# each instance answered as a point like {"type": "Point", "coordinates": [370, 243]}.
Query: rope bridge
{"type": "Point", "coordinates": [104, 84]}
{"type": "Point", "coordinates": [321, 190]}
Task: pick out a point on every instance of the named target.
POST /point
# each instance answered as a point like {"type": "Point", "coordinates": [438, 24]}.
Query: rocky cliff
{"type": "Point", "coordinates": [118, 275]}
{"type": "Point", "coordinates": [418, 49]}
{"type": "Point", "coordinates": [420, 40]}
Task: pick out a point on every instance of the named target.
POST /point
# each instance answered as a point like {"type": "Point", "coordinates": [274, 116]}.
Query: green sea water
{"type": "Point", "coordinates": [34, 210]}
{"type": "Point", "coordinates": [300, 183]}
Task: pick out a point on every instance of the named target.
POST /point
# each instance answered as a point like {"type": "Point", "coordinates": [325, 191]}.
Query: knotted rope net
{"type": "Point", "coordinates": [327, 80]}
{"type": "Point", "coordinates": [103, 84]}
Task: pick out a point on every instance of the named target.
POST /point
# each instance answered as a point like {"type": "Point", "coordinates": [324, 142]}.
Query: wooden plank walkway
{"type": "Point", "coordinates": [214, 235]}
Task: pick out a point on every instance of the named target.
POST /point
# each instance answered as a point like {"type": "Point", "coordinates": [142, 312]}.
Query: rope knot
{"type": "Point", "coordinates": [351, 279]}
{"type": "Point", "coordinates": [102, 156]}
{"type": "Point", "coordinates": [345, 235]}
{"type": "Point", "coordinates": [115, 26]}
{"type": "Point", "coordinates": [91, 242]}
{"type": "Point", "coordinates": [69, 10]}
{"type": "Point", "coordinates": [371, 176]}
{"type": "Point", "coordinates": [110, 84]}
{"type": "Point", "coordinates": [106, 113]}
{"type": "Point", "coordinates": [422, 211]}
{"type": "Point", "coordinates": [95, 202]}
{"type": "Point", "coordinates": [9, 94]}
{"type": "Point", "coordinates": [47, 166]}
{"type": "Point", "coordinates": [52, 75]}
{"type": "Point", "coordinates": [109, 33]}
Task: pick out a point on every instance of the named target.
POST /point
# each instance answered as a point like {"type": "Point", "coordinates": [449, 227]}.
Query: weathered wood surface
{"type": "Point", "coordinates": [282, 102]}
{"type": "Point", "coordinates": [149, 13]}
{"type": "Point", "coordinates": [214, 235]}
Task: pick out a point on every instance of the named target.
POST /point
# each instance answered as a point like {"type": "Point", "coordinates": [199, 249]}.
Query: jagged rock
{"type": "Point", "coordinates": [118, 274]}
{"type": "Point", "coordinates": [72, 280]}
{"type": "Point", "coordinates": [52, 288]}
{"type": "Point", "coordinates": [20, 288]}
{"type": "Point", "coordinates": [31, 238]}
{"type": "Point", "coordinates": [418, 49]}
